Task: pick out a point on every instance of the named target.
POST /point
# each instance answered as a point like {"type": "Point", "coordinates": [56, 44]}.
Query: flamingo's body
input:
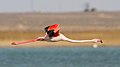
{"type": "Point", "coordinates": [53, 35]}
{"type": "Point", "coordinates": [61, 37]}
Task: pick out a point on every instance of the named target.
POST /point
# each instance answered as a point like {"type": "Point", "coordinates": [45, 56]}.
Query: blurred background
{"type": "Point", "coordinates": [78, 19]}
{"type": "Point", "coordinates": [22, 20]}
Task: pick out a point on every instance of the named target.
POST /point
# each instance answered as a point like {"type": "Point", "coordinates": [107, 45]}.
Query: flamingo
{"type": "Point", "coordinates": [53, 35]}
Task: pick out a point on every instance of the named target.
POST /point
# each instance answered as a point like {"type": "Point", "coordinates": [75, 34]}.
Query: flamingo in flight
{"type": "Point", "coordinates": [53, 35]}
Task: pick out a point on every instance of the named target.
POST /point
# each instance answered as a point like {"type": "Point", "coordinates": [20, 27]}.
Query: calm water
{"type": "Point", "coordinates": [60, 57]}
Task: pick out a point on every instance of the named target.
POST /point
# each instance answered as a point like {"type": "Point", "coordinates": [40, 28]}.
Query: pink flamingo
{"type": "Point", "coordinates": [53, 35]}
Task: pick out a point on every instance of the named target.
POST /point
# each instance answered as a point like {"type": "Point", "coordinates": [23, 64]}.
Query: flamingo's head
{"type": "Point", "coordinates": [98, 40]}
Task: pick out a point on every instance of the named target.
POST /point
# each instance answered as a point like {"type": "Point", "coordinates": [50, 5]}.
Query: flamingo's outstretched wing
{"type": "Point", "coordinates": [54, 27]}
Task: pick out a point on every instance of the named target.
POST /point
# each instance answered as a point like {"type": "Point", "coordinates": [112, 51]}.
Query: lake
{"type": "Point", "coordinates": [60, 57]}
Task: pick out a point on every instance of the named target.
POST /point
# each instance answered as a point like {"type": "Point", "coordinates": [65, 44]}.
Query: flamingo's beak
{"type": "Point", "coordinates": [101, 41]}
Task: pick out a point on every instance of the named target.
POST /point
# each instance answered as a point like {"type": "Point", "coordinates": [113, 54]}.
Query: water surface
{"type": "Point", "coordinates": [60, 57]}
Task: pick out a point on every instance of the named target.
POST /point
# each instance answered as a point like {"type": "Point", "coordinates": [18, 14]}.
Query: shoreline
{"type": "Point", "coordinates": [110, 39]}
{"type": "Point", "coordinates": [7, 44]}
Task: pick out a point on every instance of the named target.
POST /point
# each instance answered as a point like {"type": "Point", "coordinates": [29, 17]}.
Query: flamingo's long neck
{"type": "Point", "coordinates": [70, 40]}
{"type": "Point", "coordinates": [79, 40]}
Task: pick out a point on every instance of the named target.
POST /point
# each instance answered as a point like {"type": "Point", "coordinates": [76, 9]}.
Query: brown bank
{"type": "Point", "coordinates": [110, 39]}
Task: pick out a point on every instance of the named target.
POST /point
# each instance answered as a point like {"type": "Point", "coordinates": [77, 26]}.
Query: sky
{"type": "Point", "coordinates": [57, 5]}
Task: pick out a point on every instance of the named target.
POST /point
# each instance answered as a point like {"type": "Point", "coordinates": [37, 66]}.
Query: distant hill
{"type": "Point", "coordinates": [69, 21]}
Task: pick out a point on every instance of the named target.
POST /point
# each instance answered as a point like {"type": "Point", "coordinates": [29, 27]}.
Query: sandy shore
{"type": "Point", "coordinates": [59, 44]}
{"type": "Point", "coordinates": [79, 26]}
{"type": "Point", "coordinates": [110, 39]}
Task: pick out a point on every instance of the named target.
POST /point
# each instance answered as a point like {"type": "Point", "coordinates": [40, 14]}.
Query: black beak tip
{"type": "Point", "coordinates": [101, 41]}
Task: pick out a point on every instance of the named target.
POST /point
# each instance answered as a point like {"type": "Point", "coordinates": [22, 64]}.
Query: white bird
{"type": "Point", "coordinates": [61, 37]}
{"type": "Point", "coordinates": [53, 35]}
